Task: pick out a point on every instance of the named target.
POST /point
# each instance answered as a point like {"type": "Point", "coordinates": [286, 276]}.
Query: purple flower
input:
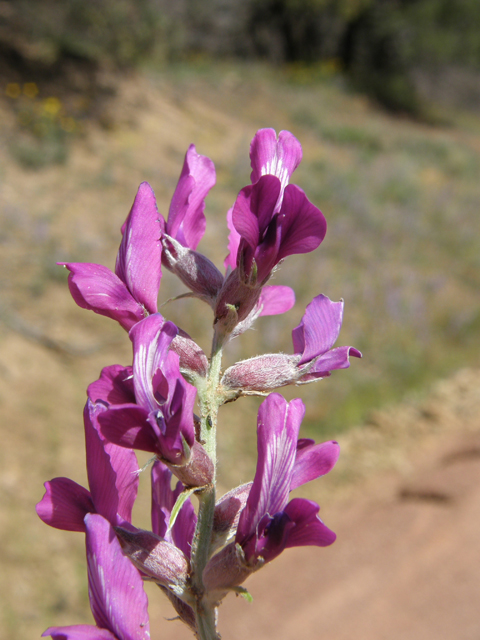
{"type": "Point", "coordinates": [269, 155]}
{"type": "Point", "coordinates": [159, 416]}
{"type": "Point", "coordinates": [313, 359]}
{"type": "Point", "coordinates": [112, 477]}
{"type": "Point", "coordinates": [129, 294]}
{"type": "Point", "coordinates": [270, 220]}
{"type": "Point", "coordinates": [117, 599]}
{"type": "Point", "coordinates": [186, 220]}
{"type": "Point", "coordinates": [269, 523]}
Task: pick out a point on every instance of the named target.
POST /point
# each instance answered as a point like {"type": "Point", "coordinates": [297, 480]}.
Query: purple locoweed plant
{"type": "Point", "coordinates": [166, 402]}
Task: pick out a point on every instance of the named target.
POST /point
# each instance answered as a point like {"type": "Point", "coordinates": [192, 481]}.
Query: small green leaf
{"type": "Point", "coordinates": [241, 591]}
{"type": "Point", "coordinates": [179, 503]}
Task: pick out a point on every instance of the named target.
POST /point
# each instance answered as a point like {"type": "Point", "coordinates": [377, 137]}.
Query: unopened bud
{"type": "Point", "coordinates": [199, 470]}
{"type": "Point", "coordinates": [226, 570]}
{"type": "Point", "coordinates": [227, 514]}
{"type": "Point", "coordinates": [157, 558]}
{"type": "Point", "coordinates": [262, 373]}
{"type": "Point", "coordinates": [196, 271]}
{"type": "Point", "coordinates": [237, 295]}
{"type": "Point", "coordinates": [193, 361]}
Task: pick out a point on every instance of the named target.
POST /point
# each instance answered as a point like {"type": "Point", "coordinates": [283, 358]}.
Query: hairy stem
{"type": "Point", "coordinates": [209, 403]}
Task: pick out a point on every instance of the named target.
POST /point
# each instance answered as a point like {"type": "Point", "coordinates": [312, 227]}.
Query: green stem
{"type": "Point", "coordinates": [209, 403]}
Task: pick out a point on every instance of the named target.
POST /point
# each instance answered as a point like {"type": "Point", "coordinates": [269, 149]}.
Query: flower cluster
{"type": "Point", "coordinates": [197, 556]}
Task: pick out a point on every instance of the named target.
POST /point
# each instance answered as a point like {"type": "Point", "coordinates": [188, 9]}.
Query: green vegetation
{"type": "Point", "coordinates": [379, 45]}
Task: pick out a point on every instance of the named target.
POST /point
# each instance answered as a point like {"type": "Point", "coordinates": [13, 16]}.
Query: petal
{"type": "Point", "coordinates": [112, 470]}
{"type": "Point", "coordinates": [163, 500]}
{"type": "Point", "coordinates": [126, 426]}
{"type": "Point", "coordinates": [115, 386]}
{"type": "Point", "coordinates": [275, 300]}
{"type": "Point", "coordinates": [309, 529]}
{"type": "Point", "coordinates": [319, 328]}
{"type": "Point", "coordinates": [98, 289]}
{"type": "Point", "coordinates": [186, 220]}
{"type": "Point", "coordinates": [117, 598]}
{"type": "Point", "coordinates": [65, 505]}
{"type": "Point", "coordinates": [233, 242]}
{"type": "Point", "coordinates": [338, 358]}
{"type": "Point", "coordinates": [313, 460]}
{"type": "Point", "coordinates": [79, 632]}
{"type": "Point", "coordinates": [184, 527]}
{"type": "Point", "coordinates": [303, 226]}
{"type": "Point", "coordinates": [139, 258]}
{"type": "Point", "coordinates": [277, 432]}
{"type": "Point", "coordinates": [279, 157]}
{"type": "Point", "coordinates": [244, 220]}
{"type": "Point", "coordinates": [151, 340]}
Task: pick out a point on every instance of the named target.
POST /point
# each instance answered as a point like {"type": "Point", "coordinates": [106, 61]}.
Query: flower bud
{"type": "Point", "coordinates": [158, 559]}
{"type": "Point", "coordinates": [198, 471]}
{"type": "Point", "coordinates": [262, 373]}
{"type": "Point", "coordinates": [227, 514]}
{"type": "Point", "coordinates": [238, 295]}
{"type": "Point", "coordinates": [226, 570]}
{"type": "Point", "coordinates": [196, 271]}
{"type": "Point", "coordinates": [193, 361]}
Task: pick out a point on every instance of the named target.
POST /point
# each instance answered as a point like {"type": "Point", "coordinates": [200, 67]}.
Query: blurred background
{"type": "Point", "coordinates": [97, 96]}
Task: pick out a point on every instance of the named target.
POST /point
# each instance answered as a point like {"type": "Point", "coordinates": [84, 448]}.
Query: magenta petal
{"type": "Point", "coordinates": [309, 529]}
{"type": "Point", "coordinates": [186, 220]}
{"type": "Point", "coordinates": [276, 299]}
{"type": "Point", "coordinates": [313, 460]}
{"type": "Point", "coordinates": [112, 470]}
{"type": "Point", "coordinates": [98, 289]}
{"type": "Point", "coordinates": [127, 426]}
{"type": "Point", "coordinates": [79, 632]}
{"type": "Point", "coordinates": [116, 593]}
{"type": "Point", "coordinates": [279, 157]}
{"type": "Point", "coordinates": [184, 527]}
{"type": "Point", "coordinates": [139, 258]}
{"type": "Point", "coordinates": [115, 386]}
{"type": "Point", "coordinates": [319, 328]}
{"type": "Point", "coordinates": [233, 242]}
{"type": "Point", "coordinates": [244, 220]}
{"type": "Point", "coordinates": [277, 432]}
{"type": "Point", "coordinates": [65, 505]}
{"type": "Point", "coordinates": [303, 226]}
{"type": "Point", "coordinates": [151, 340]}
{"type": "Point", "coordinates": [338, 358]}
{"type": "Point", "coordinates": [163, 501]}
